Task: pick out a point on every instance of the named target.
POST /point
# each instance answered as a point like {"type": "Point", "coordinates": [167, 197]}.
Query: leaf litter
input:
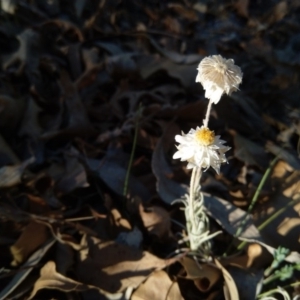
{"type": "Point", "coordinates": [73, 76]}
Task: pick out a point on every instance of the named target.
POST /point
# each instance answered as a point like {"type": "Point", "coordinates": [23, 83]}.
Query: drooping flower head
{"type": "Point", "coordinates": [201, 148]}
{"type": "Point", "coordinates": [218, 76]}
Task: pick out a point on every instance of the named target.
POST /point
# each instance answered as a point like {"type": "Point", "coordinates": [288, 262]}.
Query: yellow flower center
{"type": "Point", "coordinates": [204, 136]}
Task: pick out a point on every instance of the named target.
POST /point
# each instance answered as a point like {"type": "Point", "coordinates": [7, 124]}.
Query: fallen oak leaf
{"type": "Point", "coordinates": [50, 279]}
{"type": "Point", "coordinates": [114, 267]}
{"type": "Point", "coordinates": [28, 242]}
{"type": "Point", "coordinates": [158, 286]}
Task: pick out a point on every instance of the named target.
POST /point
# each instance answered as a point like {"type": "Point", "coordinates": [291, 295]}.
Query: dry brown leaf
{"type": "Point", "coordinates": [184, 11]}
{"type": "Point", "coordinates": [118, 221]}
{"type": "Point", "coordinates": [78, 123]}
{"type": "Point", "coordinates": [7, 152]}
{"type": "Point", "coordinates": [249, 152]}
{"type": "Point", "coordinates": [146, 140]}
{"type": "Point", "coordinates": [12, 175]}
{"type": "Point", "coordinates": [113, 174]}
{"type": "Point", "coordinates": [168, 189]}
{"type": "Point", "coordinates": [256, 256]}
{"type": "Point", "coordinates": [286, 180]}
{"type": "Point", "coordinates": [27, 53]}
{"type": "Point", "coordinates": [22, 274]}
{"type": "Point", "coordinates": [284, 229]}
{"type": "Point", "coordinates": [230, 217]}
{"type": "Point", "coordinates": [63, 238]}
{"type": "Point", "coordinates": [230, 289]}
{"type": "Point", "coordinates": [71, 175]}
{"type": "Point", "coordinates": [34, 235]}
{"type": "Point", "coordinates": [279, 12]}
{"type": "Point", "coordinates": [156, 220]}
{"type": "Point", "coordinates": [286, 155]}
{"type": "Point", "coordinates": [172, 25]}
{"type": "Point", "coordinates": [281, 169]}
{"type": "Point", "coordinates": [114, 267]}
{"type": "Point", "coordinates": [50, 279]}
{"type": "Point", "coordinates": [242, 8]}
{"type": "Point", "coordinates": [204, 276]}
{"type": "Point", "coordinates": [158, 286]}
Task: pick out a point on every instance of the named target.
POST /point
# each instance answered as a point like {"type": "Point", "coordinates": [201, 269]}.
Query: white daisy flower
{"type": "Point", "coordinates": [218, 76]}
{"type": "Point", "coordinates": [201, 148]}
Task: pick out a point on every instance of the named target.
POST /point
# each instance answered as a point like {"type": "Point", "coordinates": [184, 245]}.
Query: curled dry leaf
{"type": "Point", "coordinates": [158, 286]}
{"type": "Point", "coordinates": [230, 289]}
{"type": "Point", "coordinates": [204, 276]}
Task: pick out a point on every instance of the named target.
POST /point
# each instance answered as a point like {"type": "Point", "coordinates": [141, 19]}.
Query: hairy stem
{"type": "Point", "coordinates": [205, 121]}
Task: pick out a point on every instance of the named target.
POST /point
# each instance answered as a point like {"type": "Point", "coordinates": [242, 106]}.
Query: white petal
{"type": "Point", "coordinates": [177, 155]}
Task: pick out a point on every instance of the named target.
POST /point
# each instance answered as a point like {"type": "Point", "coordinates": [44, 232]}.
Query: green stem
{"type": "Point", "coordinates": [276, 214]}
{"type": "Point", "coordinates": [271, 219]}
{"type": "Point", "coordinates": [250, 208]}
{"type": "Point", "coordinates": [275, 290]}
{"type": "Point", "coordinates": [271, 278]}
{"type": "Point", "coordinates": [191, 211]}
{"type": "Point", "coordinates": [256, 195]}
{"type": "Point", "coordinates": [136, 129]}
